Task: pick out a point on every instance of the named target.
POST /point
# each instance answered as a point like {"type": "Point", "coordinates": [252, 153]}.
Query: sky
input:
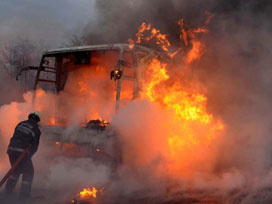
{"type": "Point", "coordinates": [49, 21]}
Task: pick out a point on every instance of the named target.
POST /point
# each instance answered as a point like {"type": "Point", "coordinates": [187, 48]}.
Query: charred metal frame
{"type": "Point", "coordinates": [119, 67]}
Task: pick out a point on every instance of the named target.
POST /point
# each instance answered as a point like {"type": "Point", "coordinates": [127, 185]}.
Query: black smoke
{"type": "Point", "coordinates": [118, 20]}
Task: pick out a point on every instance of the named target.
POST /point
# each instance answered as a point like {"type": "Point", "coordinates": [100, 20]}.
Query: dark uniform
{"type": "Point", "coordinates": [26, 133]}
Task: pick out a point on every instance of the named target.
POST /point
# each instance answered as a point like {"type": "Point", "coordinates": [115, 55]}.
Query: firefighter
{"type": "Point", "coordinates": [26, 133]}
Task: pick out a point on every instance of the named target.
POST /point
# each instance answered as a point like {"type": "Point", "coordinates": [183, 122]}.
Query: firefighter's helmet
{"type": "Point", "coordinates": [36, 115]}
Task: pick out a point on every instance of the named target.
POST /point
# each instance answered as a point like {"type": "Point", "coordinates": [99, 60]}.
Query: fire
{"type": "Point", "coordinates": [160, 39]}
{"type": "Point", "coordinates": [88, 192]}
{"type": "Point", "coordinates": [87, 195]}
{"type": "Point", "coordinates": [88, 93]}
{"type": "Point", "coordinates": [91, 88]}
{"type": "Point", "coordinates": [158, 74]}
{"type": "Point", "coordinates": [189, 36]}
{"type": "Point", "coordinates": [52, 121]}
{"type": "Point", "coordinates": [196, 52]}
{"type": "Point", "coordinates": [195, 128]}
{"type": "Point", "coordinates": [187, 105]}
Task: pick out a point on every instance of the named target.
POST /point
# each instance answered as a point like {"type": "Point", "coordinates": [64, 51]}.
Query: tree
{"type": "Point", "coordinates": [19, 54]}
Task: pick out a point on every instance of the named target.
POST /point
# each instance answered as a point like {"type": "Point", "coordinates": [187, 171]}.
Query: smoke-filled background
{"type": "Point", "coordinates": [234, 73]}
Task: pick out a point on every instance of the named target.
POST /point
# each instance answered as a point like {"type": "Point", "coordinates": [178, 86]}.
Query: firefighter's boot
{"type": "Point", "coordinates": [25, 191]}
{"type": "Point", "coordinates": [10, 185]}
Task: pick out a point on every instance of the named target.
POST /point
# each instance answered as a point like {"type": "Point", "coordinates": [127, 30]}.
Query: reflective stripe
{"type": "Point", "coordinates": [16, 149]}
{"type": "Point", "coordinates": [22, 130]}
{"type": "Point", "coordinates": [28, 125]}
{"type": "Point", "coordinates": [26, 182]}
{"type": "Point", "coordinates": [26, 130]}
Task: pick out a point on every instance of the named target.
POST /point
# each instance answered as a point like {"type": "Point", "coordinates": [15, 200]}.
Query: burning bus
{"type": "Point", "coordinates": [88, 84]}
{"type": "Point", "coordinates": [85, 86]}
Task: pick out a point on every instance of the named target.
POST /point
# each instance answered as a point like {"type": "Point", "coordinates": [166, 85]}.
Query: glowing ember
{"type": "Point", "coordinates": [52, 121]}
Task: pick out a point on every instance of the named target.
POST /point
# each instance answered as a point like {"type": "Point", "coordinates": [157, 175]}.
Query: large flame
{"type": "Point", "coordinates": [195, 128]}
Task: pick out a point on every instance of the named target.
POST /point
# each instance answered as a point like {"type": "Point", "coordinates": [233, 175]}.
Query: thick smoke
{"type": "Point", "coordinates": [121, 17]}
{"type": "Point", "coordinates": [77, 104]}
{"type": "Point", "coordinates": [58, 176]}
{"type": "Point", "coordinates": [235, 72]}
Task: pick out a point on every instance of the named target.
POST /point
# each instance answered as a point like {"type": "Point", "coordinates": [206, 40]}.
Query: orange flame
{"type": "Point", "coordinates": [189, 36]}
{"type": "Point", "coordinates": [196, 128]}
{"type": "Point", "coordinates": [88, 192]}
{"type": "Point", "coordinates": [88, 92]}
{"type": "Point", "coordinates": [52, 121]}
{"type": "Point", "coordinates": [187, 105]}
{"type": "Point", "coordinates": [160, 39]}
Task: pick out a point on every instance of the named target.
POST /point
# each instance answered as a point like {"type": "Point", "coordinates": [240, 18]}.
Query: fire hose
{"type": "Point", "coordinates": [21, 157]}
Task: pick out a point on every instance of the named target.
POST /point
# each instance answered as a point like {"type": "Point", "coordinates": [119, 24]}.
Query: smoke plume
{"type": "Point", "coordinates": [234, 74]}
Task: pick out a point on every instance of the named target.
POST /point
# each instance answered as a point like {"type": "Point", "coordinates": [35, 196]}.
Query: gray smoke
{"type": "Point", "coordinates": [235, 71]}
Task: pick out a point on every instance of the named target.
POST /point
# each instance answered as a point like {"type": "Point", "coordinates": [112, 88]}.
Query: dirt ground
{"type": "Point", "coordinates": [41, 196]}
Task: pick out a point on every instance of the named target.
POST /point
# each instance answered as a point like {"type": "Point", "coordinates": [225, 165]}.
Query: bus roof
{"type": "Point", "coordinates": [97, 47]}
